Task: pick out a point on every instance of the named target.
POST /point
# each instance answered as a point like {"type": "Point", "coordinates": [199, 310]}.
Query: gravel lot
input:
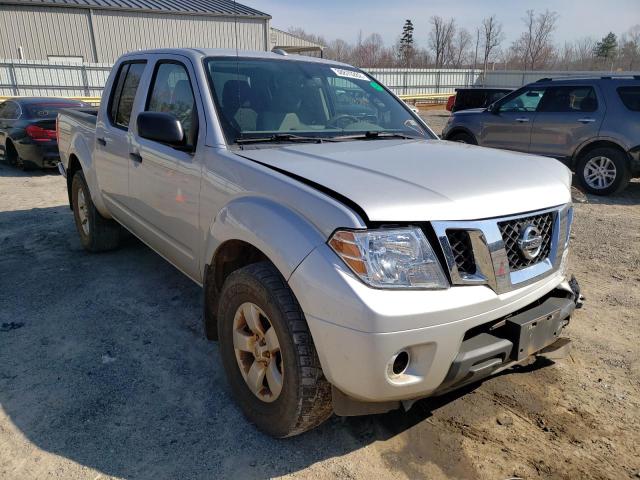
{"type": "Point", "coordinates": [105, 372]}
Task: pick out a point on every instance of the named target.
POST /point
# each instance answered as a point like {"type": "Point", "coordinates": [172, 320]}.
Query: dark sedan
{"type": "Point", "coordinates": [28, 130]}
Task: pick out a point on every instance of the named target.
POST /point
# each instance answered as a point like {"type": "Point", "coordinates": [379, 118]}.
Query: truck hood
{"type": "Point", "coordinates": [420, 180]}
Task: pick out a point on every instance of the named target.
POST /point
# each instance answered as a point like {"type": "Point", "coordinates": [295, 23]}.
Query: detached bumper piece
{"type": "Point", "coordinates": [535, 331]}
{"type": "Point", "coordinates": [61, 169]}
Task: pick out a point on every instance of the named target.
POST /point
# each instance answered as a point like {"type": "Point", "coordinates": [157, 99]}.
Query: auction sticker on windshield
{"type": "Point", "coordinates": [349, 74]}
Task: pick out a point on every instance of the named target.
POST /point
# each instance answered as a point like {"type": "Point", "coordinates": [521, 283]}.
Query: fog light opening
{"type": "Point", "coordinates": [400, 363]}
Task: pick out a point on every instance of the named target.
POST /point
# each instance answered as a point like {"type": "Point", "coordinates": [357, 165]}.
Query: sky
{"type": "Point", "coordinates": [345, 18]}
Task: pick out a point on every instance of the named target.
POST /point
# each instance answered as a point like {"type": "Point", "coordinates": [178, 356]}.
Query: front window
{"type": "Point", "coordinates": [526, 100]}
{"type": "Point", "coordinates": [171, 92]}
{"type": "Point", "coordinates": [266, 98]}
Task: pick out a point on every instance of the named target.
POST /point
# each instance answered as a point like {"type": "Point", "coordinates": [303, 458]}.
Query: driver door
{"type": "Point", "coordinates": [164, 180]}
{"type": "Point", "coordinates": [509, 125]}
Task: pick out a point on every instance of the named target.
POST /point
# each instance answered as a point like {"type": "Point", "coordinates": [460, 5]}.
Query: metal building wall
{"type": "Point", "coordinates": [119, 32]}
{"type": "Point", "coordinates": [280, 38]}
{"type": "Point", "coordinates": [44, 31]}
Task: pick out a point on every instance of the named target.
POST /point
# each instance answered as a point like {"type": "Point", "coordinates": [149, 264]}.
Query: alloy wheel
{"type": "Point", "coordinates": [83, 214]}
{"type": "Point", "coordinates": [257, 351]}
{"type": "Point", "coordinates": [600, 172]}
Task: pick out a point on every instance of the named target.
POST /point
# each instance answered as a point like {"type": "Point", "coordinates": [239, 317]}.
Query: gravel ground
{"type": "Point", "coordinates": [105, 372]}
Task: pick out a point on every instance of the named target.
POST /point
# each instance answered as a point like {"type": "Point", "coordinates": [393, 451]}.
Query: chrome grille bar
{"type": "Point", "coordinates": [492, 264]}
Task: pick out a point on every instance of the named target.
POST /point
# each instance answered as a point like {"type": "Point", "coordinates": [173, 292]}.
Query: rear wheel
{"type": "Point", "coordinates": [268, 353]}
{"type": "Point", "coordinates": [603, 171]}
{"type": "Point", "coordinates": [463, 138]}
{"type": "Point", "coordinates": [97, 234]}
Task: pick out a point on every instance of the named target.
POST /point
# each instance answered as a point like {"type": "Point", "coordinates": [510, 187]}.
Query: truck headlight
{"type": "Point", "coordinates": [390, 258]}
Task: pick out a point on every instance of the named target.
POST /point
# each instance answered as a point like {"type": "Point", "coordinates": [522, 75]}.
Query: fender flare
{"type": "Point", "coordinates": [79, 149]}
{"type": "Point", "coordinates": [284, 236]}
{"type": "Point", "coordinates": [587, 143]}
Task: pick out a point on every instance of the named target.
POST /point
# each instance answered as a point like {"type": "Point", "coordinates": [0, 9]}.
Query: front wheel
{"type": "Point", "coordinates": [603, 171]}
{"type": "Point", "coordinates": [97, 234]}
{"type": "Point", "coordinates": [463, 138]}
{"type": "Point", "coordinates": [268, 353]}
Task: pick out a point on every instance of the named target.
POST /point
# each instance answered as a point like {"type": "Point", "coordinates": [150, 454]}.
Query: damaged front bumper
{"type": "Point", "coordinates": [491, 348]}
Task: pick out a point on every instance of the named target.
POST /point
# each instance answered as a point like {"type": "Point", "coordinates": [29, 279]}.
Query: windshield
{"type": "Point", "coordinates": [269, 98]}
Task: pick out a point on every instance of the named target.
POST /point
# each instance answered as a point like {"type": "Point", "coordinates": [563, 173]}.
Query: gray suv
{"type": "Point", "coordinates": [590, 124]}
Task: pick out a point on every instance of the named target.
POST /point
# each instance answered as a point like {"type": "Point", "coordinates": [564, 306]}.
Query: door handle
{"type": "Point", "coordinates": [101, 141]}
{"type": "Point", "coordinates": [522, 120]}
{"type": "Point", "coordinates": [586, 120]}
{"type": "Point", "coordinates": [136, 157]}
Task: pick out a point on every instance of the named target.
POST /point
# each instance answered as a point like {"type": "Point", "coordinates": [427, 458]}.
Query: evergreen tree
{"type": "Point", "coordinates": [406, 44]}
{"type": "Point", "coordinates": [607, 47]}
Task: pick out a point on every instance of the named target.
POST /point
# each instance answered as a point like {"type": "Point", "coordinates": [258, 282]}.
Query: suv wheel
{"type": "Point", "coordinates": [97, 234]}
{"type": "Point", "coordinates": [463, 138]}
{"type": "Point", "coordinates": [268, 354]}
{"type": "Point", "coordinates": [603, 171]}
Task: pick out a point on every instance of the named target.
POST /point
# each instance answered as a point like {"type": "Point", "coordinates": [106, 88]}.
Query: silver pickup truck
{"type": "Point", "coordinates": [351, 261]}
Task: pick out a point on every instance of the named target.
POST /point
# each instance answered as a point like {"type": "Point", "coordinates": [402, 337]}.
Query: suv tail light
{"type": "Point", "coordinates": [450, 102]}
{"type": "Point", "coordinates": [40, 134]}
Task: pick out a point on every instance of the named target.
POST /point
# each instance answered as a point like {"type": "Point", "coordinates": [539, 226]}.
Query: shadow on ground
{"type": "Point", "coordinates": [103, 361]}
{"type": "Point", "coordinates": [12, 171]}
{"type": "Point", "coordinates": [629, 196]}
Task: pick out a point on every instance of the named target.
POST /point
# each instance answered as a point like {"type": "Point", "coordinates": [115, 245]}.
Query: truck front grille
{"type": "Point", "coordinates": [486, 251]}
{"type": "Point", "coordinates": [462, 251]}
{"type": "Point", "coordinates": [510, 231]}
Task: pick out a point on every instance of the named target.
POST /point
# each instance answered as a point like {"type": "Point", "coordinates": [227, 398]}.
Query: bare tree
{"type": "Point", "coordinates": [339, 50]}
{"type": "Point", "coordinates": [368, 51]}
{"type": "Point", "coordinates": [461, 48]}
{"type": "Point", "coordinates": [630, 49]}
{"type": "Point", "coordinates": [583, 51]}
{"type": "Point", "coordinates": [441, 38]}
{"type": "Point", "coordinates": [534, 47]}
{"type": "Point", "coordinates": [492, 38]}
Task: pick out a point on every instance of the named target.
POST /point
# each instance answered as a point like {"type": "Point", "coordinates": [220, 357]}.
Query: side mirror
{"type": "Point", "coordinates": [493, 108]}
{"type": "Point", "coordinates": [160, 127]}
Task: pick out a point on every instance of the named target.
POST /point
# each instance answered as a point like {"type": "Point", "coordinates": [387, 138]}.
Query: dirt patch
{"type": "Point", "coordinates": [105, 372]}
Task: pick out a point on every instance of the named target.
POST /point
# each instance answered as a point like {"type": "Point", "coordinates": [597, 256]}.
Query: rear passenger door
{"type": "Point", "coordinates": [113, 139]}
{"type": "Point", "coordinates": [509, 125]}
{"type": "Point", "coordinates": [567, 117]}
{"type": "Point", "coordinates": [164, 180]}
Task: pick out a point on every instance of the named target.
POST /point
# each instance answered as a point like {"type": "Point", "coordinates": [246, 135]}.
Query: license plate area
{"type": "Point", "coordinates": [531, 331]}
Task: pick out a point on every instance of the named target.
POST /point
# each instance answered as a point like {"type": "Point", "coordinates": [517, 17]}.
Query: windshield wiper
{"type": "Point", "coordinates": [374, 135]}
{"type": "Point", "coordinates": [282, 137]}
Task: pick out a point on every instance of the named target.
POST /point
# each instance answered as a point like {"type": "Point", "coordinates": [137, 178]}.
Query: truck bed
{"type": "Point", "coordinates": [76, 132]}
{"type": "Point", "coordinates": [84, 115]}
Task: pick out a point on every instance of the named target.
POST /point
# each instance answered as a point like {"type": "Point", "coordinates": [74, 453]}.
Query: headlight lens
{"type": "Point", "coordinates": [398, 258]}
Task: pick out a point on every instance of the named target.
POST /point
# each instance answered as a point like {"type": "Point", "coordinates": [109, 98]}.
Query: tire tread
{"type": "Point", "coordinates": [314, 391]}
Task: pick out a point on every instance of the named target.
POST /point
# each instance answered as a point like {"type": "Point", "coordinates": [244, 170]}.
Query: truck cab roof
{"type": "Point", "coordinates": [199, 53]}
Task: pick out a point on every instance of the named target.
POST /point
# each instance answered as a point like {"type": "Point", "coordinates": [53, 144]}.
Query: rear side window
{"type": "Point", "coordinates": [171, 92]}
{"type": "Point", "coordinates": [630, 96]}
{"type": "Point", "coordinates": [124, 93]}
{"type": "Point", "coordinates": [10, 111]}
{"type": "Point", "coordinates": [569, 99]}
